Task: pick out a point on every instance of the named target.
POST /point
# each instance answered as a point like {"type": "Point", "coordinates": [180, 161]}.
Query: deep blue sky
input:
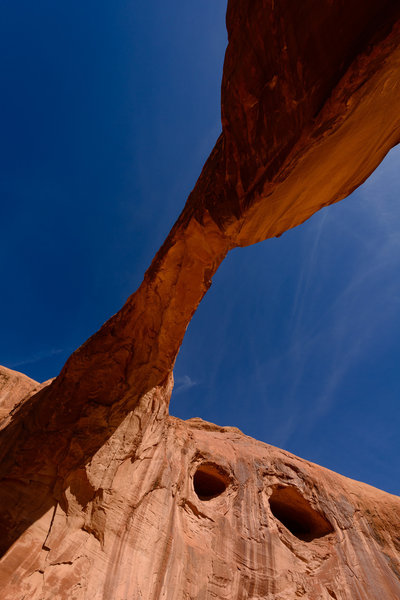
{"type": "Point", "coordinates": [108, 112]}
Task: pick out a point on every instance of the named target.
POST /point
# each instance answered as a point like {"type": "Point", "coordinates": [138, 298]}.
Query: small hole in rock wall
{"type": "Point", "coordinates": [210, 481]}
{"type": "Point", "coordinates": [297, 515]}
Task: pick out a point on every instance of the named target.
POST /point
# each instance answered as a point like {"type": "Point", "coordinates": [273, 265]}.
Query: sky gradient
{"type": "Point", "coordinates": [109, 111]}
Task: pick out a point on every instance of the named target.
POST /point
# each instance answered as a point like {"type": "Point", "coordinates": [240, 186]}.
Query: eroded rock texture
{"type": "Point", "coordinates": [96, 486]}
{"type": "Point", "coordinates": [176, 510]}
{"type": "Point", "coordinates": [14, 388]}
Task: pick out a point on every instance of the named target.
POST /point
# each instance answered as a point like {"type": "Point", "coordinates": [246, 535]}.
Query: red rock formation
{"type": "Point", "coordinates": [199, 511]}
{"type": "Point", "coordinates": [96, 497]}
{"type": "Point", "coordinates": [14, 388]}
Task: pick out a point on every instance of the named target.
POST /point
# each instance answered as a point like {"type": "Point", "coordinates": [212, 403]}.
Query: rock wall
{"type": "Point", "coordinates": [97, 482]}
{"type": "Point", "coordinates": [168, 509]}
{"type": "Point", "coordinates": [14, 388]}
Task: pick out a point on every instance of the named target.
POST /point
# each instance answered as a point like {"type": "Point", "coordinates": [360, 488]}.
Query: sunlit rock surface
{"type": "Point", "coordinates": [14, 388]}
{"type": "Point", "coordinates": [96, 481]}
{"type": "Point", "coordinates": [194, 510]}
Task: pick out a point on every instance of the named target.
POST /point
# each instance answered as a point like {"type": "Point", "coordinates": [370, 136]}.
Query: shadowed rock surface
{"type": "Point", "coordinates": [137, 521]}
{"type": "Point", "coordinates": [97, 496]}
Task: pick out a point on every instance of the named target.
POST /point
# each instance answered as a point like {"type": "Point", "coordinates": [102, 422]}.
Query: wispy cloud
{"type": "Point", "coordinates": [34, 358]}
{"type": "Point", "coordinates": [335, 333]}
{"type": "Point", "coordinates": [184, 383]}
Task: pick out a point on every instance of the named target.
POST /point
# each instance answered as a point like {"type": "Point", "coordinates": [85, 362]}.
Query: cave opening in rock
{"type": "Point", "coordinates": [297, 515]}
{"type": "Point", "coordinates": [210, 481]}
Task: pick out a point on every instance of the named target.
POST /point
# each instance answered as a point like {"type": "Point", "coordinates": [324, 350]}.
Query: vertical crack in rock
{"type": "Point", "coordinates": [44, 546]}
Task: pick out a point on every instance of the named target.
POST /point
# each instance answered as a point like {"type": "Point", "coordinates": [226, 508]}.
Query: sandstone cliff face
{"type": "Point", "coordinates": [98, 485]}
{"type": "Point", "coordinates": [197, 511]}
{"type": "Point", "coordinates": [14, 388]}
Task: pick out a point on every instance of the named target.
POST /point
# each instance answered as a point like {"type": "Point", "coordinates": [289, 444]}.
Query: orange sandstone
{"type": "Point", "coordinates": [175, 510]}
{"type": "Point", "coordinates": [102, 494]}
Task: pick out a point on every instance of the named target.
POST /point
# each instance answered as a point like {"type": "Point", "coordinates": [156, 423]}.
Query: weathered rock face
{"type": "Point", "coordinates": [200, 511]}
{"type": "Point", "coordinates": [98, 484]}
{"type": "Point", "coordinates": [14, 388]}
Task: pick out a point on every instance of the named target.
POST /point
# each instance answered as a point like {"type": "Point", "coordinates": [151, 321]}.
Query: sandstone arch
{"type": "Point", "coordinates": [310, 106]}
